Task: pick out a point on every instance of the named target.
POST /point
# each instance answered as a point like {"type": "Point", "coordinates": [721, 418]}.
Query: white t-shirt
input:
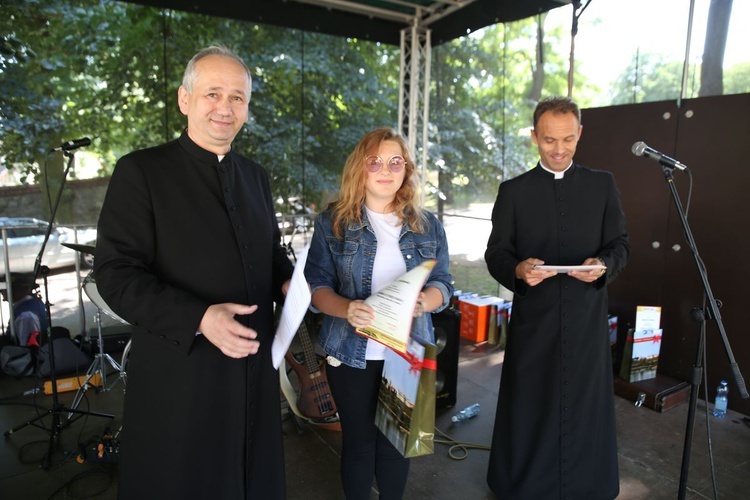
{"type": "Point", "coordinates": [388, 265]}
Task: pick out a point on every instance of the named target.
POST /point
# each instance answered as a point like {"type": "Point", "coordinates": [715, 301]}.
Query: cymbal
{"type": "Point", "coordinates": [89, 249]}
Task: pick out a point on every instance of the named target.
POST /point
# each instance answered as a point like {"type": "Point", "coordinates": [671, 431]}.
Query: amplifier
{"type": "Point", "coordinates": [112, 342]}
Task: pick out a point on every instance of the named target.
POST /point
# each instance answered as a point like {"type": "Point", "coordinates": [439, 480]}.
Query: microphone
{"type": "Point", "coordinates": [641, 149]}
{"type": "Point", "coordinates": [71, 145]}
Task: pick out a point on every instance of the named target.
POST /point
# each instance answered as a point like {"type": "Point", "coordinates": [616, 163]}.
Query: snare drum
{"type": "Point", "coordinates": [89, 286]}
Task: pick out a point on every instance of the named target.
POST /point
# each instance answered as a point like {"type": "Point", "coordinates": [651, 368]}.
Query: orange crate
{"type": "Point", "coordinates": [475, 317]}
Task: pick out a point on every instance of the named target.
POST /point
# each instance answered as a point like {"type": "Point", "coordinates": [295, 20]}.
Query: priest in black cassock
{"type": "Point", "coordinates": [189, 253]}
{"type": "Point", "coordinates": [554, 434]}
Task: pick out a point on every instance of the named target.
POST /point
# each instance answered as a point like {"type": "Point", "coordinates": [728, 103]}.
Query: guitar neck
{"type": "Point", "coordinates": [311, 362]}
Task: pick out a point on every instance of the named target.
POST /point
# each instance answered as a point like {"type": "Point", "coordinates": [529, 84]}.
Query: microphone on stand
{"type": "Point", "coordinates": [71, 145]}
{"type": "Point", "coordinates": [641, 149]}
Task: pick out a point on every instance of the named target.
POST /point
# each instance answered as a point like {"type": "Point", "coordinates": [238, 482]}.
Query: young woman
{"type": "Point", "coordinates": [372, 234]}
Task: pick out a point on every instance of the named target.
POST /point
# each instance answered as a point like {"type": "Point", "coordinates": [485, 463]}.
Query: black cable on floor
{"type": "Point", "coordinates": [109, 474]}
{"type": "Point", "coordinates": [458, 445]}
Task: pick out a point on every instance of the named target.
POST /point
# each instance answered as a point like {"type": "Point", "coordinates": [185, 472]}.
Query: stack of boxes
{"type": "Point", "coordinates": [480, 317]}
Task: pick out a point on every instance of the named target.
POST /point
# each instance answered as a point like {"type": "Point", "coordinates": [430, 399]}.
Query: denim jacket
{"type": "Point", "coordinates": [345, 266]}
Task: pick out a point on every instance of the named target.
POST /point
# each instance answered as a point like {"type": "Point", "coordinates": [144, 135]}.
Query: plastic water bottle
{"type": "Point", "coordinates": [467, 413]}
{"type": "Point", "coordinates": [720, 404]}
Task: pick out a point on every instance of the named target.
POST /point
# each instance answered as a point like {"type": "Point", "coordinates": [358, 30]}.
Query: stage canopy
{"type": "Point", "coordinates": [375, 20]}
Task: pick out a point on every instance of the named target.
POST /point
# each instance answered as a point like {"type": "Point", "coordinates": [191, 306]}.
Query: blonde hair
{"type": "Point", "coordinates": [347, 208]}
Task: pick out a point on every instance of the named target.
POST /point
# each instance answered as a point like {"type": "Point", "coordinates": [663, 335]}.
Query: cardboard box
{"type": "Point", "coordinates": [72, 383]}
{"type": "Point", "coordinates": [475, 316]}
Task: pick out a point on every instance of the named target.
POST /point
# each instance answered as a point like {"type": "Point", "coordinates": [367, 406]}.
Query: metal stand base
{"type": "Point", "coordinates": [99, 366]}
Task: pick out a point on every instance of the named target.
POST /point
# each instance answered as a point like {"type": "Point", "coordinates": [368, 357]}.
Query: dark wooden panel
{"type": "Point", "coordinates": [608, 136]}
{"type": "Point", "coordinates": [708, 135]}
{"type": "Point", "coordinates": [712, 141]}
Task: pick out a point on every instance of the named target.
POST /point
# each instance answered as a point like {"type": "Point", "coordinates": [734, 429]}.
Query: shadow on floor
{"type": "Point", "coordinates": [650, 446]}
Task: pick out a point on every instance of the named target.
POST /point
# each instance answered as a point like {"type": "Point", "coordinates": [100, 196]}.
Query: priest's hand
{"type": "Point", "coordinates": [526, 271]}
{"type": "Point", "coordinates": [232, 337]}
{"type": "Point", "coordinates": [590, 276]}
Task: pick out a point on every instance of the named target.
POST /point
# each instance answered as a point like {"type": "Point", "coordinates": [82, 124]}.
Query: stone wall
{"type": "Point", "coordinates": [80, 202]}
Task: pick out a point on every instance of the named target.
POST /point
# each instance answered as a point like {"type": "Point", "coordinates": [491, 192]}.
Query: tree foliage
{"type": "Point", "coordinates": [110, 70]}
{"type": "Point", "coordinates": [719, 12]}
{"type": "Point", "coordinates": [481, 110]}
{"type": "Point", "coordinates": [648, 78]}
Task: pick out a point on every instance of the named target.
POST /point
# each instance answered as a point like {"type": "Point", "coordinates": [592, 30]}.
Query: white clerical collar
{"type": "Point", "coordinates": [558, 175]}
{"type": "Point", "coordinates": [221, 157]}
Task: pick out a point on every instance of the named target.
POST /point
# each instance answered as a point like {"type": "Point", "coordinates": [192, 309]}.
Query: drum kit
{"type": "Point", "coordinates": [99, 366]}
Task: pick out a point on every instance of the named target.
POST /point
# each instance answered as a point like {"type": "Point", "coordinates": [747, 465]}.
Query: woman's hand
{"type": "Point", "coordinates": [419, 306]}
{"type": "Point", "coordinates": [359, 314]}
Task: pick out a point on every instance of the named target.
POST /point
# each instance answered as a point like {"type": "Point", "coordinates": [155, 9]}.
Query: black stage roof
{"type": "Point", "coordinates": [376, 20]}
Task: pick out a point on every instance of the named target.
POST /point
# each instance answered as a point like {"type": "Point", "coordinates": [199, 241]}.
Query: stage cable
{"type": "Point", "coordinates": [458, 450]}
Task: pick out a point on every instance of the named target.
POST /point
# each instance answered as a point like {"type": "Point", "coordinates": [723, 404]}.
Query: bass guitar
{"type": "Point", "coordinates": [314, 400]}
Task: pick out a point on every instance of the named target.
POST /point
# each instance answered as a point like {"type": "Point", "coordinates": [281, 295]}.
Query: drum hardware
{"type": "Point", "coordinates": [124, 364]}
{"type": "Point", "coordinates": [123, 374]}
{"type": "Point", "coordinates": [89, 249]}
{"type": "Point", "coordinates": [101, 358]}
{"type": "Point", "coordinates": [56, 425]}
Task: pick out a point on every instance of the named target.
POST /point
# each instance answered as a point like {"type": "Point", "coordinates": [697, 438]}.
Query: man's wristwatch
{"type": "Point", "coordinates": [603, 264]}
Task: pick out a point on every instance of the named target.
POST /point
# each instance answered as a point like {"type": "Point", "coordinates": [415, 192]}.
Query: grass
{"type": "Point", "coordinates": [472, 276]}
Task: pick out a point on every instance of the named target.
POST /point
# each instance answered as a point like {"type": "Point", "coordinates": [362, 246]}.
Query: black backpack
{"type": "Point", "coordinates": [16, 361]}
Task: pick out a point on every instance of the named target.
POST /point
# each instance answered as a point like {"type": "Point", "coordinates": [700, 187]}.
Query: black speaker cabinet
{"type": "Point", "coordinates": [447, 325]}
{"type": "Point", "coordinates": [114, 338]}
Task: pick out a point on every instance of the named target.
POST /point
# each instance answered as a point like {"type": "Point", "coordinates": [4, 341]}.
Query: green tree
{"type": "Point", "coordinates": [110, 70]}
{"type": "Point", "coordinates": [485, 88]}
{"type": "Point", "coordinates": [737, 79]}
{"type": "Point", "coordinates": [308, 121]}
{"type": "Point", "coordinates": [719, 12]}
{"type": "Point", "coordinates": [648, 78]}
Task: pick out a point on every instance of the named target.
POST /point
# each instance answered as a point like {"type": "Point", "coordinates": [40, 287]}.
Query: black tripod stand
{"type": "Point", "coordinates": [712, 313]}
{"type": "Point", "coordinates": [58, 409]}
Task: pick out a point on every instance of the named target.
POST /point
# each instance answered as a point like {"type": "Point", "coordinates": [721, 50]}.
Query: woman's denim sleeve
{"type": "Point", "coordinates": [440, 277]}
{"type": "Point", "coordinates": [320, 270]}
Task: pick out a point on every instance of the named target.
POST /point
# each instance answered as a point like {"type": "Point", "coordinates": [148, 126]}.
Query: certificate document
{"type": "Point", "coordinates": [394, 308]}
{"type": "Point", "coordinates": [295, 306]}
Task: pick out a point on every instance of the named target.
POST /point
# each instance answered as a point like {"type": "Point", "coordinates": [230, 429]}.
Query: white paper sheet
{"type": "Point", "coordinates": [394, 308]}
{"type": "Point", "coordinates": [295, 306]}
{"type": "Point", "coordinates": [565, 269]}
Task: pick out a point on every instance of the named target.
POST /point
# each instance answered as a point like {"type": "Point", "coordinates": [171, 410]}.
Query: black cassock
{"type": "Point", "coordinates": [180, 230]}
{"type": "Point", "coordinates": [554, 434]}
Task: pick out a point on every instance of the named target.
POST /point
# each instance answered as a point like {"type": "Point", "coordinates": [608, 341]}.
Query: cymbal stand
{"type": "Point", "coordinates": [97, 366]}
{"type": "Point", "coordinates": [56, 425]}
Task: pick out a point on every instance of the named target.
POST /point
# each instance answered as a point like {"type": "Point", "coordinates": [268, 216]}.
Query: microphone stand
{"type": "Point", "coordinates": [57, 408]}
{"type": "Point", "coordinates": [713, 313]}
